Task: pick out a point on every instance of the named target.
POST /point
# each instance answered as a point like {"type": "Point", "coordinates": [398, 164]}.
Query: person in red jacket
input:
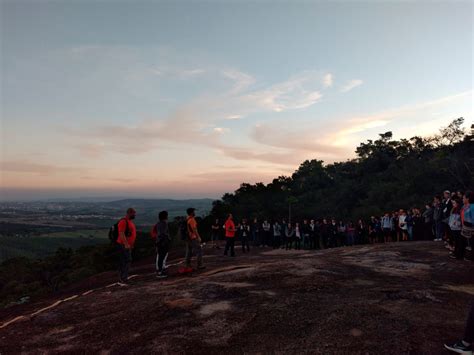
{"type": "Point", "coordinates": [127, 233]}
{"type": "Point", "coordinates": [229, 236]}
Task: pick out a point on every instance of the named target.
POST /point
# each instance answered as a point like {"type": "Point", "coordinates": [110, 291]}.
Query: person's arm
{"type": "Point", "coordinates": [195, 231]}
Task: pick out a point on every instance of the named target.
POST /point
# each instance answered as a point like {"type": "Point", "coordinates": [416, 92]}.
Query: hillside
{"type": "Point", "coordinates": [395, 298]}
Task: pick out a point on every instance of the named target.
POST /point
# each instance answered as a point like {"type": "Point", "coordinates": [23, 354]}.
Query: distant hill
{"type": "Point", "coordinates": [149, 208]}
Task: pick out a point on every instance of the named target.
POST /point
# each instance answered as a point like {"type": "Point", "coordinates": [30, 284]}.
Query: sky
{"type": "Point", "coordinates": [189, 99]}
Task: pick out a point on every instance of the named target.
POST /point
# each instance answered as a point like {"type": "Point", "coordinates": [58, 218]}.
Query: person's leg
{"type": "Point", "coordinates": [232, 246]}
{"type": "Point", "coordinates": [243, 244]}
{"type": "Point", "coordinates": [189, 254]}
{"type": "Point", "coordinates": [121, 261]}
{"type": "Point", "coordinates": [462, 245]}
{"type": "Point", "coordinates": [469, 331]}
{"type": "Point", "coordinates": [162, 252]}
{"type": "Point", "coordinates": [157, 258]}
{"type": "Point", "coordinates": [438, 230]}
{"type": "Point", "coordinates": [127, 254]}
{"type": "Point", "coordinates": [198, 249]}
{"type": "Point", "coordinates": [226, 249]}
{"type": "Point", "coordinates": [165, 259]}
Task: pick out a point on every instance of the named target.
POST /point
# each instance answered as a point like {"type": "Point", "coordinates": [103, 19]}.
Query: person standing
{"type": "Point", "coordinates": [373, 230]}
{"type": "Point", "coordinates": [244, 230]}
{"type": "Point", "coordinates": [298, 234]}
{"type": "Point", "coordinates": [341, 233]}
{"type": "Point", "coordinates": [276, 235]}
{"type": "Point", "coordinates": [402, 223]}
{"type": "Point", "coordinates": [255, 232]}
{"type": "Point", "coordinates": [127, 233]}
{"type": "Point", "coordinates": [428, 222]}
{"type": "Point", "coordinates": [312, 234]}
{"type": "Point", "coordinates": [409, 222]}
{"type": "Point", "coordinates": [266, 233]}
{"type": "Point", "coordinates": [324, 235]}
{"type": "Point", "coordinates": [417, 224]}
{"type": "Point", "coordinates": [289, 236]}
{"type": "Point", "coordinates": [360, 232]}
{"type": "Point", "coordinates": [455, 225]}
{"type": "Point", "coordinates": [467, 216]}
{"type": "Point", "coordinates": [193, 242]}
{"type": "Point", "coordinates": [163, 241]}
{"type": "Point", "coordinates": [229, 236]}
{"type": "Point", "coordinates": [215, 234]}
{"type": "Point", "coordinates": [350, 233]}
{"type": "Point", "coordinates": [447, 206]}
{"type": "Point", "coordinates": [306, 232]}
{"type": "Point", "coordinates": [386, 224]}
{"type": "Point", "coordinates": [332, 233]}
{"type": "Point", "coordinates": [438, 219]}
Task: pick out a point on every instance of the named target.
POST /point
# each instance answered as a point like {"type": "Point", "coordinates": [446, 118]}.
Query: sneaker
{"type": "Point", "coordinates": [122, 284]}
{"type": "Point", "coordinates": [459, 348]}
{"type": "Point", "coordinates": [161, 275]}
{"type": "Point", "coordinates": [452, 256]}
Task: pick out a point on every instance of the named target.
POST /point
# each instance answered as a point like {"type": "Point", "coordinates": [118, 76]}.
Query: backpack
{"type": "Point", "coordinates": [183, 231]}
{"type": "Point", "coordinates": [114, 233]}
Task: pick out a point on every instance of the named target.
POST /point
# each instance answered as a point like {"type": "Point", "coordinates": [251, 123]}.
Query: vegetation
{"type": "Point", "coordinates": [27, 277]}
{"type": "Point", "coordinates": [44, 245]}
{"type": "Point", "coordinates": [387, 174]}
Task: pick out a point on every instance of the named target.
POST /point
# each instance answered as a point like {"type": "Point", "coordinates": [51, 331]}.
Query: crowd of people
{"type": "Point", "coordinates": [441, 220]}
{"type": "Point", "coordinates": [448, 218]}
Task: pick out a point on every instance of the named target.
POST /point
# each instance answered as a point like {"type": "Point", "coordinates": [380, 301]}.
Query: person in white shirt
{"type": "Point", "coordinates": [403, 224]}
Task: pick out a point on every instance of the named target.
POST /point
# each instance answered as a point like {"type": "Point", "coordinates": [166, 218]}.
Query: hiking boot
{"type": "Point", "coordinates": [459, 348]}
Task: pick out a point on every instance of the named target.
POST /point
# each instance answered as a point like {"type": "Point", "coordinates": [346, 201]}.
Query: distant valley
{"type": "Point", "coordinates": [38, 228]}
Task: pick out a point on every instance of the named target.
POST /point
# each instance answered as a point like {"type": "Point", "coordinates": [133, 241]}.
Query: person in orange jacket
{"type": "Point", "coordinates": [229, 235]}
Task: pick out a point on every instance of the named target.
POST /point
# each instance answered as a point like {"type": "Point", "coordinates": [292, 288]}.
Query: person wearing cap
{"type": "Point", "coordinates": [193, 243]}
{"type": "Point", "coordinates": [447, 206]}
{"type": "Point", "coordinates": [127, 233]}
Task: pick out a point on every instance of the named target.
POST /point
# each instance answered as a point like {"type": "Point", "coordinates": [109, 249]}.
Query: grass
{"type": "Point", "coordinates": [47, 244]}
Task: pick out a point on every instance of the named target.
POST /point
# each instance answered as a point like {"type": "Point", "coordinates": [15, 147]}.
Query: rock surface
{"type": "Point", "coordinates": [382, 299]}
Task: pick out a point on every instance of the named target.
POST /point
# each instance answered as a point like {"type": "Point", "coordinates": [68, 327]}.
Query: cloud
{"type": "Point", "coordinates": [351, 85]}
{"type": "Point", "coordinates": [353, 125]}
{"type": "Point", "coordinates": [233, 117]}
{"type": "Point", "coordinates": [190, 122]}
{"type": "Point", "coordinates": [176, 72]}
{"type": "Point", "coordinates": [327, 80]}
{"type": "Point", "coordinates": [241, 80]}
{"type": "Point", "coordinates": [301, 140]}
{"type": "Point", "coordinates": [221, 130]}
{"type": "Point", "coordinates": [25, 166]}
{"type": "Point", "coordinates": [297, 92]}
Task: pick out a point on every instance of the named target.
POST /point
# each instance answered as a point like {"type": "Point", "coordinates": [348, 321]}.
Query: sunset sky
{"type": "Point", "coordinates": [189, 99]}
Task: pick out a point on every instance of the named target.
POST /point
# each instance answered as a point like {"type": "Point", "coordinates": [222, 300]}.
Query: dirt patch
{"type": "Point", "coordinates": [210, 309]}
